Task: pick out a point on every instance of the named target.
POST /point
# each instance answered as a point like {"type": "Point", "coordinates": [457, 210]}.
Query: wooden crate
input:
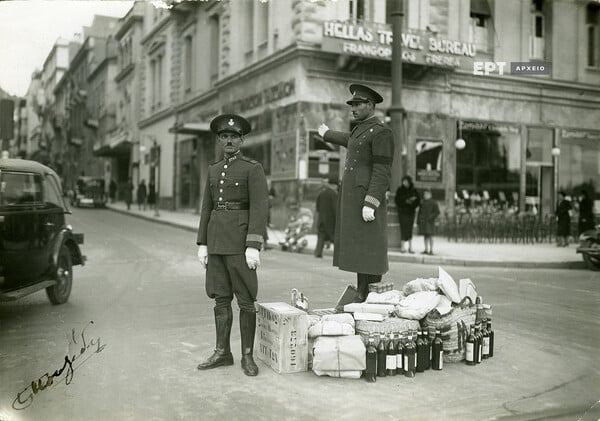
{"type": "Point", "coordinates": [282, 335]}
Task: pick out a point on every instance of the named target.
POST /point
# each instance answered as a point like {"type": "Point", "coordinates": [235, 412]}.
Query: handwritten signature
{"type": "Point", "coordinates": [25, 398]}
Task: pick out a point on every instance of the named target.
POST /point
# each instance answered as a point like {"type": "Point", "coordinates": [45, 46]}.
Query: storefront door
{"type": "Point", "coordinates": [540, 189]}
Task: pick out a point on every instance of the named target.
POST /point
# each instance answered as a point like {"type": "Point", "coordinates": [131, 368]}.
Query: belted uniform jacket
{"type": "Point", "coordinates": [362, 246]}
{"type": "Point", "coordinates": [233, 183]}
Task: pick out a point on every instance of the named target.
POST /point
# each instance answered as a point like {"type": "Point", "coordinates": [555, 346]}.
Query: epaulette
{"type": "Point", "coordinates": [252, 161]}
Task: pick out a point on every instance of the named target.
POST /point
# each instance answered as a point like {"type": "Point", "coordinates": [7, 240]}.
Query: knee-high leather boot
{"type": "Point", "coordinates": [222, 355]}
{"type": "Point", "coordinates": [247, 330]}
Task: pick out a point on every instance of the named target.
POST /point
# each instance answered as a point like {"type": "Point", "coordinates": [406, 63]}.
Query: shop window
{"type": "Point", "coordinates": [592, 21]}
{"type": "Point", "coordinates": [356, 10]}
{"type": "Point", "coordinates": [538, 30]}
{"type": "Point", "coordinates": [539, 145]}
{"type": "Point", "coordinates": [579, 165]}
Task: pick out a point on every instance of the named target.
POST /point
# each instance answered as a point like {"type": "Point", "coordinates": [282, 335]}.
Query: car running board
{"type": "Point", "coordinates": [21, 292]}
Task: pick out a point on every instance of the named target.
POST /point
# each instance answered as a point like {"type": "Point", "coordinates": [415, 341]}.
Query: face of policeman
{"type": "Point", "coordinates": [231, 142]}
{"type": "Point", "coordinates": [362, 110]}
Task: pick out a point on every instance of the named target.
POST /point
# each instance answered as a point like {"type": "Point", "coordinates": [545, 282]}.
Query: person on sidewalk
{"type": "Point", "coordinates": [151, 194]}
{"type": "Point", "coordinates": [428, 213]}
{"type": "Point", "coordinates": [586, 213]}
{"type": "Point", "coordinates": [326, 207]}
{"type": "Point", "coordinates": [142, 192]}
{"type": "Point", "coordinates": [112, 191]}
{"type": "Point", "coordinates": [563, 220]}
{"type": "Point", "coordinates": [361, 244]}
{"type": "Point", "coordinates": [230, 235]}
{"type": "Point", "coordinates": [128, 194]}
{"type": "Point", "coordinates": [407, 201]}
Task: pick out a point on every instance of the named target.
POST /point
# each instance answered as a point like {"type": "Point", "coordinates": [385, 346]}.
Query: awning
{"type": "Point", "coordinates": [480, 7]}
{"type": "Point", "coordinates": [190, 128]}
{"type": "Point", "coordinates": [118, 146]}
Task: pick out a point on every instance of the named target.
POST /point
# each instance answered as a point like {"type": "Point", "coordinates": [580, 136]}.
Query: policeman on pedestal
{"type": "Point", "coordinates": [230, 236]}
{"type": "Point", "coordinates": [361, 228]}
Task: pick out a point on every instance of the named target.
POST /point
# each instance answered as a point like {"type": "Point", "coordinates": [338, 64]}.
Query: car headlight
{"type": "Point", "coordinates": [69, 227]}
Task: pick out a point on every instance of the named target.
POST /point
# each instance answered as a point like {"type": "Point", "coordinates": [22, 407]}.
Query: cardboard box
{"type": "Point", "coordinates": [282, 336]}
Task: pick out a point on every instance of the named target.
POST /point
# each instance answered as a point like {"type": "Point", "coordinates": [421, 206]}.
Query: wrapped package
{"type": "Point", "coordinates": [369, 308]}
{"type": "Point", "coordinates": [331, 328]}
{"type": "Point", "coordinates": [374, 317]}
{"type": "Point", "coordinates": [340, 318]}
{"type": "Point", "coordinates": [353, 374]}
{"type": "Point", "coordinates": [390, 297]}
{"type": "Point", "coordinates": [339, 353]}
{"type": "Point", "coordinates": [420, 284]}
{"type": "Point", "coordinates": [417, 305]}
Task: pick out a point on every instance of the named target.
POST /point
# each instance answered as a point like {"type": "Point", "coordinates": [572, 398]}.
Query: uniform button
{"type": "Point", "coordinates": [223, 174]}
{"type": "Point", "coordinates": [237, 184]}
{"type": "Point", "coordinates": [220, 199]}
{"type": "Point", "coordinates": [370, 130]}
{"type": "Point", "coordinates": [225, 166]}
{"type": "Point", "coordinates": [220, 190]}
{"type": "Point", "coordinates": [221, 181]}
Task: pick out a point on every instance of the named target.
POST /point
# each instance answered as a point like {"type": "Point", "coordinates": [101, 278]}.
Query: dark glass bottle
{"type": "Point", "coordinates": [399, 355]}
{"type": "Point", "coordinates": [485, 353]}
{"type": "Point", "coordinates": [479, 338]}
{"type": "Point", "coordinates": [381, 356]}
{"type": "Point", "coordinates": [437, 350]}
{"type": "Point", "coordinates": [491, 335]}
{"type": "Point", "coordinates": [421, 350]}
{"type": "Point", "coordinates": [371, 371]}
{"type": "Point", "coordinates": [410, 351]}
{"type": "Point", "coordinates": [471, 347]}
{"type": "Point", "coordinates": [390, 366]}
{"type": "Point", "coordinates": [428, 350]}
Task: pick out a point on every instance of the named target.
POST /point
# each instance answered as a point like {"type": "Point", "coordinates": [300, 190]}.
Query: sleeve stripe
{"type": "Point", "coordinates": [372, 200]}
{"type": "Point", "coordinates": [380, 159]}
{"type": "Point", "coordinates": [255, 238]}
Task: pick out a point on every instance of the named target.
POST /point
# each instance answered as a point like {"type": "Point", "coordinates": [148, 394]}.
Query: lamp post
{"type": "Point", "coordinates": [396, 110]}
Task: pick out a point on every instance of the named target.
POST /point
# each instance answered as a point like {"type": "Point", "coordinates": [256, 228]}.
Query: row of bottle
{"type": "Point", "coordinates": [480, 342]}
{"type": "Point", "coordinates": [410, 353]}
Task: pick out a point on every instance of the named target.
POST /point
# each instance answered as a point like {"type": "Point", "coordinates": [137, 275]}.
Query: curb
{"type": "Point", "coordinates": [395, 256]}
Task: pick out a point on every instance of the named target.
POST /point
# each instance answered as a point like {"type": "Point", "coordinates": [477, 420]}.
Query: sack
{"type": "Point", "coordinates": [417, 305]}
{"type": "Point", "coordinates": [331, 328]}
{"type": "Point", "coordinates": [420, 284]}
{"type": "Point", "coordinates": [339, 353]}
{"type": "Point", "coordinates": [348, 374]}
{"type": "Point", "coordinates": [454, 329]}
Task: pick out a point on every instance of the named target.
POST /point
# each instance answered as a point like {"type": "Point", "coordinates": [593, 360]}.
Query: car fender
{"type": "Point", "coordinates": [72, 241]}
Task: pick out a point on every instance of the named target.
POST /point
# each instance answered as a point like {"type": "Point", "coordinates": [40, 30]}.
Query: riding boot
{"type": "Point", "coordinates": [247, 330]}
{"type": "Point", "coordinates": [222, 355]}
{"type": "Point", "coordinates": [362, 286]}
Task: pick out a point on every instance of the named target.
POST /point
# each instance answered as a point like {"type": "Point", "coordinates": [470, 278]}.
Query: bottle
{"type": "Point", "coordinates": [437, 358]}
{"type": "Point", "coordinates": [485, 353]}
{"type": "Point", "coordinates": [399, 355]}
{"type": "Point", "coordinates": [381, 356]}
{"type": "Point", "coordinates": [391, 366]}
{"type": "Point", "coordinates": [410, 357]}
{"type": "Point", "coordinates": [421, 350]}
{"type": "Point", "coordinates": [428, 350]}
{"type": "Point", "coordinates": [479, 308]}
{"type": "Point", "coordinates": [479, 338]}
{"type": "Point", "coordinates": [491, 335]}
{"type": "Point", "coordinates": [471, 346]}
{"type": "Point", "coordinates": [371, 371]}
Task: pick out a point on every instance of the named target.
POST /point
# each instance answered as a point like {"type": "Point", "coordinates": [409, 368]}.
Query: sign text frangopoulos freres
{"type": "Point", "coordinates": [375, 41]}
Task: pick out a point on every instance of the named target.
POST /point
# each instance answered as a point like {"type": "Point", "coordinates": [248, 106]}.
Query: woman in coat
{"type": "Point", "coordinates": [407, 201]}
{"type": "Point", "coordinates": [428, 213]}
{"type": "Point", "coordinates": [563, 219]}
{"type": "Point", "coordinates": [586, 213]}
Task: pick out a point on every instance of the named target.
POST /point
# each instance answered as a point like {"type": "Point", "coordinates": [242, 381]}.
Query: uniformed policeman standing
{"type": "Point", "coordinates": [361, 229]}
{"type": "Point", "coordinates": [230, 236]}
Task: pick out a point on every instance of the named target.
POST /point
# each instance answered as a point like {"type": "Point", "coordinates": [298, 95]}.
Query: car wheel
{"type": "Point", "coordinates": [591, 262]}
{"type": "Point", "coordinates": [59, 293]}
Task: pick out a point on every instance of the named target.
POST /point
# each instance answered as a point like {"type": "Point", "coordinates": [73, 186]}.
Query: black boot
{"type": "Point", "coordinates": [247, 329]}
{"type": "Point", "coordinates": [222, 355]}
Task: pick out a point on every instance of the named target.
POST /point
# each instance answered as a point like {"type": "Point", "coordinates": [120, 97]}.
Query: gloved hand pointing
{"type": "Point", "coordinates": [203, 255]}
{"type": "Point", "coordinates": [252, 258]}
{"type": "Point", "coordinates": [368, 214]}
{"type": "Point", "coordinates": [322, 129]}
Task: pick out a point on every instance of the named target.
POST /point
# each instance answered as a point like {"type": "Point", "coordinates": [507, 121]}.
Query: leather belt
{"type": "Point", "coordinates": [231, 206]}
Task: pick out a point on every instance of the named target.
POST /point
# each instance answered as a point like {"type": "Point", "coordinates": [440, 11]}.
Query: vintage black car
{"type": "Point", "coordinates": [37, 248]}
{"type": "Point", "coordinates": [89, 191]}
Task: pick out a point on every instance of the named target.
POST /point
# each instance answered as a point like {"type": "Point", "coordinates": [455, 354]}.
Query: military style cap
{"type": "Point", "coordinates": [230, 123]}
{"type": "Point", "coordinates": [362, 93]}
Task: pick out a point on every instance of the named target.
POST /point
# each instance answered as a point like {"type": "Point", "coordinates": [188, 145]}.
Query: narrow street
{"type": "Point", "coordinates": [152, 323]}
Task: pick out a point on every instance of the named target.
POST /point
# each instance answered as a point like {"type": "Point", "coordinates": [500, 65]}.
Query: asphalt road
{"type": "Point", "coordinates": [152, 323]}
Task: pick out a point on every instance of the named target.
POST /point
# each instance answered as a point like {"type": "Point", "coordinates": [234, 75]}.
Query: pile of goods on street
{"type": "Point", "coordinates": [427, 323]}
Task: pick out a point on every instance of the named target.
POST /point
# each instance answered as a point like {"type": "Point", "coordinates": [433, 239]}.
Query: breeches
{"type": "Point", "coordinates": [229, 275]}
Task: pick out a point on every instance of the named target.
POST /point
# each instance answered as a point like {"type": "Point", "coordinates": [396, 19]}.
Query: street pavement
{"type": "Point", "coordinates": [539, 255]}
{"type": "Point", "coordinates": [152, 323]}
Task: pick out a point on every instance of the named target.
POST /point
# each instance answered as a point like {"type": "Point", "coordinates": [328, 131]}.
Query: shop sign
{"type": "Point", "coordinates": [284, 156]}
{"type": "Point", "coordinates": [266, 96]}
{"type": "Point", "coordinates": [484, 126]}
{"type": "Point", "coordinates": [579, 134]}
{"type": "Point", "coordinates": [429, 160]}
{"type": "Point", "coordinates": [375, 41]}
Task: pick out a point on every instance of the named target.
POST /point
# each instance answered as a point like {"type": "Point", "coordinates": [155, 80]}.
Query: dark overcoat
{"type": "Point", "coordinates": [428, 213]}
{"type": "Point", "coordinates": [361, 246]}
{"type": "Point", "coordinates": [563, 226]}
{"type": "Point", "coordinates": [326, 212]}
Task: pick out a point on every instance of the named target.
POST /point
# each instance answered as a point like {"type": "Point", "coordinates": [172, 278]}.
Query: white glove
{"type": "Point", "coordinates": [368, 214]}
{"type": "Point", "coordinates": [322, 129]}
{"type": "Point", "coordinates": [252, 259]}
{"type": "Point", "coordinates": [203, 255]}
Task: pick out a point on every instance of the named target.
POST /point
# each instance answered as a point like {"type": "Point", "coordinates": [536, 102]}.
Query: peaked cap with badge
{"type": "Point", "coordinates": [362, 93]}
{"type": "Point", "coordinates": [230, 123]}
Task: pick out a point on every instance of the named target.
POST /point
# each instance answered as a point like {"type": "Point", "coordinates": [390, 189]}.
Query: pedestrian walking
{"type": "Point", "coordinates": [326, 208]}
{"type": "Point", "coordinates": [112, 190]}
{"type": "Point", "coordinates": [586, 213]}
{"type": "Point", "coordinates": [361, 228]}
{"type": "Point", "coordinates": [563, 220]}
{"type": "Point", "coordinates": [230, 236]}
{"type": "Point", "coordinates": [128, 193]}
{"type": "Point", "coordinates": [428, 213]}
{"type": "Point", "coordinates": [151, 194]}
{"type": "Point", "coordinates": [407, 201]}
{"type": "Point", "coordinates": [142, 192]}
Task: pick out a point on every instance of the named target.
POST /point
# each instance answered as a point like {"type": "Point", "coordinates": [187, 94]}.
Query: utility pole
{"type": "Point", "coordinates": [396, 111]}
